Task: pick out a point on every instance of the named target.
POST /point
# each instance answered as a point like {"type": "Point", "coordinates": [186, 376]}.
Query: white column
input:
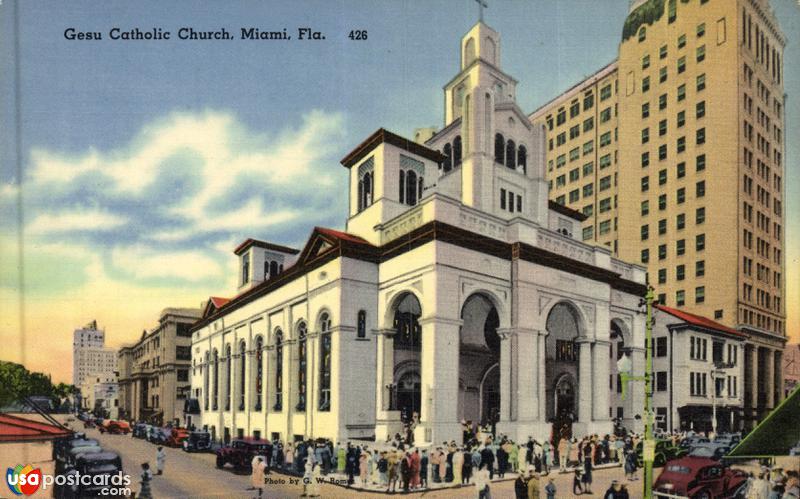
{"type": "Point", "coordinates": [600, 401]}
{"type": "Point", "coordinates": [585, 385]}
{"type": "Point", "coordinates": [527, 392]}
{"type": "Point", "coordinates": [769, 378]}
{"type": "Point", "coordinates": [507, 361]}
{"type": "Point", "coordinates": [439, 411]}
{"type": "Point", "coordinates": [541, 355]}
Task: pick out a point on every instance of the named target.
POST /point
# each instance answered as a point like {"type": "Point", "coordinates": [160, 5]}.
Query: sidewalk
{"type": "Point", "coordinates": [340, 479]}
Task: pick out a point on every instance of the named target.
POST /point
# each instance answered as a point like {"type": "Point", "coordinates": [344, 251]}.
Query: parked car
{"type": "Point", "coordinates": [711, 450]}
{"type": "Point", "coordinates": [693, 440]}
{"type": "Point", "coordinates": [140, 430]}
{"type": "Point", "coordinates": [197, 441]}
{"type": "Point", "coordinates": [92, 464]}
{"type": "Point", "coordinates": [177, 437]}
{"type": "Point", "coordinates": [700, 478]}
{"type": "Point", "coordinates": [64, 450]}
{"type": "Point", "coordinates": [665, 451]}
{"type": "Point", "coordinates": [729, 439]}
{"type": "Point", "coordinates": [114, 427]}
{"type": "Point", "coordinates": [240, 452]}
{"type": "Point", "coordinates": [158, 435]}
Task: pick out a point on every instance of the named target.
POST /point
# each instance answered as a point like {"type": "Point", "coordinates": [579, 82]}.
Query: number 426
{"type": "Point", "coordinates": [355, 34]}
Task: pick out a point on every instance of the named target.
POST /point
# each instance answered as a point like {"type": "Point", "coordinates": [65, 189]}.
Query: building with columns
{"type": "Point", "coordinates": [675, 151]}
{"type": "Point", "coordinates": [457, 291]}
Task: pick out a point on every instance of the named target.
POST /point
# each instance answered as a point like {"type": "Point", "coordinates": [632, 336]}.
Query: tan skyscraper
{"type": "Point", "coordinates": [695, 191]}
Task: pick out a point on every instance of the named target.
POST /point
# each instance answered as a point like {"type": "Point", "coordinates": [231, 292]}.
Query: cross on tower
{"type": "Point", "coordinates": [482, 4]}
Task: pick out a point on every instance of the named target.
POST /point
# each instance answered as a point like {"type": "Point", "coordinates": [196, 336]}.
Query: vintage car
{"type": "Point", "coordinates": [65, 450]}
{"type": "Point", "coordinates": [700, 478]}
{"type": "Point", "coordinates": [711, 450]}
{"type": "Point", "coordinates": [114, 427]}
{"type": "Point", "coordinates": [158, 435]}
{"type": "Point", "coordinates": [197, 441]}
{"type": "Point", "coordinates": [176, 437]}
{"type": "Point", "coordinates": [665, 451]}
{"type": "Point", "coordinates": [140, 430]}
{"type": "Point", "coordinates": [693, 440]}
{"type": "Point", "coordinates": [91, 464]}
{"type": "Point", "coordinates": [240, 452]}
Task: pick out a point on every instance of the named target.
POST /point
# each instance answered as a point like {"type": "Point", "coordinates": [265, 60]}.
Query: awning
{"type": "Point", "coordinates": [777, 434]}
{"type": "Point", "coordinates": [16, 429]}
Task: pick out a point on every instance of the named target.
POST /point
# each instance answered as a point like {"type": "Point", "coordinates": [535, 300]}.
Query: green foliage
{"type": "Point", "coordinates": [647, 13]}
{"type": "Point", "coordinates": [17, 382]}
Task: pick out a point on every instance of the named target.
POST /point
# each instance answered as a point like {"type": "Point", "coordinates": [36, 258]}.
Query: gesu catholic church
{"type": "Point", "coordinates": [457, 292]}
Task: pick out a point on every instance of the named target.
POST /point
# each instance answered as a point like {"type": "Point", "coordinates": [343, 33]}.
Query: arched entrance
{"type": "Point", "coordinates": [478, 361]}
{"type": "Point", "coordinates": [561, 367]}
{"type": "Point", "coordinates": [406, 394]}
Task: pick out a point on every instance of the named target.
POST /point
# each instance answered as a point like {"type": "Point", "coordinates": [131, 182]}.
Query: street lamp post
{"type": "Point", "coordinates": [715, 373]}
{"type": "Point", "coordinates": [624, 366]}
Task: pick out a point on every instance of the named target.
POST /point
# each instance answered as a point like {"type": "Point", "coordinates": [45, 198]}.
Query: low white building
{"type": "Point", "coordinates": [100, 392]}
{"type": "Point", "coordinates": [698, 369]}
{"type": "Point", "coordinates": [457, 292]}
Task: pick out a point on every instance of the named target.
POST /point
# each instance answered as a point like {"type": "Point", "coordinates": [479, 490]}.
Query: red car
{"type": "Point", "coordinates": [114, 427]}
{"type": "Point", "coordinates": [176, 437]}
{"type": "Point", "coordinates": [700, 478]}
{"type": "Point", "coordinates": [240, 452]}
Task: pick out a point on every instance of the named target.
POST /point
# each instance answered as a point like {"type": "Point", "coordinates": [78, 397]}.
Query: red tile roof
{"type": "Point", "coordinates": [341, 235]}
{"type": "Point", "coordinates": [700, 321]}
{"type": "Point", "coordinates": [16, 429]}
{"type": "Point", "coordinates": [218, 302]}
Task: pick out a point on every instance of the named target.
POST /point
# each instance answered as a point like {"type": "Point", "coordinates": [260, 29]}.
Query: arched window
{"type": "Point", "coordinates": [511, 155]}
{"type": "Point", "coordinates": [642, 34]}
{"type": "Point", "coordinates": [228, 377]}
{"type": "Point", "coordinates": [361, 331]}
{"type": "Point", "coordinates": [325, 363]}
{"type": "Point", "coordinates": [368, 184]}
{"type": "Point", "coordinates": [215, 393]}
{"type": "Point", "coordinates": [522, 158]}
{"type": "Point", "coordinates": [259, 368]}
{"type": "Point", "coordinates": [448, 160]}
{"type": "Point", "coordinates": [406, 324]}
{"type": "Point", "coordinates": [205, 382]}
{"type": "Point", "coordinates": [421, 184]}
{"type": "Point", "coordinates": [457, 151]}
{"type": "Point", "coordinates": [302, 360]}
{"type": "Point", "coordinates": [402, 192]}
{"type": "Point", "coordinates": [360, 194]}
{"type": "Point", "coordinates": [499, 148]}
{"type": "Point", "coordinates": [411, 188]}
{"type": "Point", "coordinates": [278, 370]}
{"type": "Point", "coordinates": [242, 379]}
{"type": "Point", "coordinates": [273, 268]}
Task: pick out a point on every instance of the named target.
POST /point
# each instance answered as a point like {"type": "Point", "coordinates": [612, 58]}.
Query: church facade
{"type": "Point", "coordinates": [457, 292]}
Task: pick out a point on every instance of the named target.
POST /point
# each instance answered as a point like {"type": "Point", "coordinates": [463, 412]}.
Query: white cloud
{"type": "Point", "coordinates": [147, 263]}
{"type": "Point", "coordinates": [89, 220]}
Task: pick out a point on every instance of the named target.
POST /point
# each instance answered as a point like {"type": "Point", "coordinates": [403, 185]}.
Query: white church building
{"type": "Point", "coordinates": [456, 292]}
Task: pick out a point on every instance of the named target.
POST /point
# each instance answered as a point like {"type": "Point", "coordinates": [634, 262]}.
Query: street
{"type": "Point", "coordinates": [194, 475]}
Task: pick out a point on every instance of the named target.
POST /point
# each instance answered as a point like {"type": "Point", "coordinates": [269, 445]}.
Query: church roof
{"type": "Point", "coordinates": [264, 244]}
{"type": "Point", "coordinates": [325, 245]}
{"type": "Point", "coordinates": [382, 135]}
{"type": "Point", "coordinates": [701, 322]}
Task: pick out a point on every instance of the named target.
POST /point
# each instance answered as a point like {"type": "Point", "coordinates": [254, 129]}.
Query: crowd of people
{"type": "Point", "coordinates": [773, 483]}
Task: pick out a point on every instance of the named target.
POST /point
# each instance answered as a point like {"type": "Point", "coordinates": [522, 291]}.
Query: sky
{"type": "Point", "coordinates": [140, 165]}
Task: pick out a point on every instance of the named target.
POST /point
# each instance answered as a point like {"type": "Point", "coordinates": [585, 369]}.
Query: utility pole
{"type": "Point", "coordinates": [625, 367]}
{"type": "Point", "coordinates": [648, 446]}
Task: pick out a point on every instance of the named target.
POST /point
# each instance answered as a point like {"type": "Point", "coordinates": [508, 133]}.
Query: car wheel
{"type": "Point", "coordinates": [220, 462]}
{"type": "Point", "coordinates": [702, 495]}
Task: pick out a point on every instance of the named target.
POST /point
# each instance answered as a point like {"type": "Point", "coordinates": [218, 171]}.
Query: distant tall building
{"type": "Point", "coordinates": [675, 152]}
{"type": "Point", "coordinates": [89, 355]}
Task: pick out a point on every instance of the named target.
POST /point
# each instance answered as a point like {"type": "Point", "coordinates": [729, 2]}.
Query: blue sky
{"type": "Point", "coordinates": [145, 163]}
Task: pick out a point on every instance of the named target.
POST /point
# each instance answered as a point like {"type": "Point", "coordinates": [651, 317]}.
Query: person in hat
{"type": "Point", "coordinates": [533, 486]}
{"type": "Point", "coordinates": [550, 488]}
{"type": "Point", "coordinates": [257, 475]}
{"type": "Point", "coordinates": [614, 490]}
{"type": "Point", "coordinates": [520, 487]}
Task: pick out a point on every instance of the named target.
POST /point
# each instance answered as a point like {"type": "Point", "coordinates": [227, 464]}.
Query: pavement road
{"type": "Point", "coordinates": [193, 475]}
